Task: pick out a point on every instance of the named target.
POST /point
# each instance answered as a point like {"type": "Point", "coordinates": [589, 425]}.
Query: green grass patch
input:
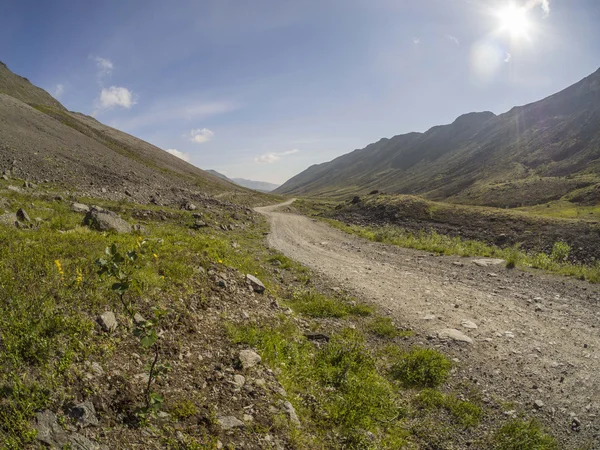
{"type": "Point", "coordinates": [463, 413]}
{"type": "Point", "coordinates": [422, 367]}
{"type": "Point", "coordinates": [383, 327]}
{"type": "Point", "coordinates": [349, 398]}
{"type": "Point", "coordinates": [518, 435]}
{"type": "Point", "coordinates": [314, 304]}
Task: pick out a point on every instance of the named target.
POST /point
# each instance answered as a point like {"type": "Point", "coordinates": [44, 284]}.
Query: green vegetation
{"type": "Point", "coordinates": [50, 295]}
{"type": "Point", "coordinates": [383, 327]}
{"type": "Point", "coordinates": [422, 367]}
{"type": "Point", "coordinates": [518, 434]}
{"type": "Point", "coordinates": [364, 400]}
{"type": "Point", "coordinates": [314, 304]}
{"type": "Point", "coordinates": [462, 412]}
{"type": "Point", "coordinates": [445, 245]}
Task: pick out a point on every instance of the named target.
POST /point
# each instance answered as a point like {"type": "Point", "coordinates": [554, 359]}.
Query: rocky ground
{"type": "Point", "coordinates": [494, 227]}
{"type": "Point", "coordinates": [527, 339]}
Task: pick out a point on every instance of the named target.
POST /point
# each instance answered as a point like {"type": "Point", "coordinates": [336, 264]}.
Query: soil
{"type": "Point", "coordinates": [537, 336]}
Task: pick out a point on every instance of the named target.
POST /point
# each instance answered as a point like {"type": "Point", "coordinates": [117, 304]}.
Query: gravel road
{"type": "Point", "coordinates": [535, 337]}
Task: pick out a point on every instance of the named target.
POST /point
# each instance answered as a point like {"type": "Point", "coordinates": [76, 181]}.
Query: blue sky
{"type": "Point", "coordinates": [263, 89]}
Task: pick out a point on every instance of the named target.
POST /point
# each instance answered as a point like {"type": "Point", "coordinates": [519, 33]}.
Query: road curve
{"type": "Point", "coordinates": [537, 335]}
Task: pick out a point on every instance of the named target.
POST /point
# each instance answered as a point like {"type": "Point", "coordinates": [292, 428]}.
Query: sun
{"type": "Point", "coordinates": [514, 20]}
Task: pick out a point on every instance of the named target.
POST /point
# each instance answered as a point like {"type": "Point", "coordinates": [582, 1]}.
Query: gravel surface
{"type": "Point", "coordinates": [535, 337]}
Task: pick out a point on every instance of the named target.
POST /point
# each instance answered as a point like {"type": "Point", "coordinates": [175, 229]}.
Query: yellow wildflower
{"type": "Point", "coordinates": [59, 268]}
{"type": "Point", "coordinates": [155, 255]}
{"type": "Point", "coordinates": [79, 277]}
{"type": "Point", "coordinates": [220, 262]}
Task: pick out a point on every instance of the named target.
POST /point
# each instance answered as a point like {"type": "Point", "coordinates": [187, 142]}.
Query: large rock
{"type": "Point", "coordinates": [84, 414]}
{"type": "Point", "coordinates": [249, 358]}
{"type": "Point", "coordinates": [52, 434]}
{"type": "Point", "coordinates": [487, 262]}
{"type": "Point", "coordinates": [255, 283]}
{"type": "Point", "coordinates": [291, 412]}
{"type": "Point", "coordinates": [229, 422]}
{"type": "Point", "coordinates": [104, 220]}
{"type": "Point", "coordinates": [107, 321]}
{"type": "Point", "coordinates": [454, 335]}
{"type": "Point", "coordinates": [80, 208]}
{"type": "Point", "coordinates": [23, 216]}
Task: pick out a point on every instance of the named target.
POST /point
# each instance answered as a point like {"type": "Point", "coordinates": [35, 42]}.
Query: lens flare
{"type": "Point", "coordinates": [514, 20]}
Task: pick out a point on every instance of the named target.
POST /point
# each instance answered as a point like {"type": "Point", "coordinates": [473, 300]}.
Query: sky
{"type": "Point", "coordinates": [263, 89]}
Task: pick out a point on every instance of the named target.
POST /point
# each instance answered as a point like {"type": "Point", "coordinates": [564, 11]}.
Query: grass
{"type": "Point", "coordinates": [383, 327]}
{"type": "Point", "coordinates": [422, 367]}
{"type": "Point", "coordinates": [337, 388]}
{"type": "Point", "coordinates": [518, 434]}
{"type": "Point", "coordinates": [314, 304]}
{"type": "Point", "coordinates": [50, 295]}
{"type": "Point", "coordinates": [445, 245]}
{"type": "Point", "coordinates": [462, 412]}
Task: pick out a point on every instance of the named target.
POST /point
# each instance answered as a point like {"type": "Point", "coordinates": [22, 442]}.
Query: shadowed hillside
{"type": "Point", "coordinates": [43, 142]}
{"type": "Point", "coordinates": [529, 155]}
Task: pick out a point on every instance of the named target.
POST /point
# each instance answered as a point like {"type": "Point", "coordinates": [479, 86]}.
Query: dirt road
{"type": "Point", "coordinates": [535, 337]}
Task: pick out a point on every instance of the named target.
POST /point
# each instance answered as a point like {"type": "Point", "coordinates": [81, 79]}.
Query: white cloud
{"type": "Point", "coordinates": [59, 90]}
{"type": "Point", "coordinates": [200, 136]}
{"type": "Point", "coordinates": [416, 41]}
{"type": "Point", "coordinates": [115, 96]}
{"type": "Point", "coordinates": [544, 4]}
{"type": "Point", "coordinates": [508, 58]}
{"type": "Point", "coordinates": [180, 155]}
{"type": "Point", "coordinates": [176, 111]}
{"type": "Point", "coordinates": [105, 66]}
{"type": "Point", "coordinates": [453, 39]}
{"type": "Point", "coordinates": [270, 158]}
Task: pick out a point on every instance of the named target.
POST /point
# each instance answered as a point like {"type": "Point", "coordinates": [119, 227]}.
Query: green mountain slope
{"type": "Point", "coordinates": [41, 141]}
{"type": "Point", "coordinates": [529, 155]}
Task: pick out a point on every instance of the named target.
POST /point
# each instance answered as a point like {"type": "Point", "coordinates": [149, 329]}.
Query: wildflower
{"type": "Point", "coordinates": [220, 261]}
{"type": "Point", "coordinates": [155, 255]}
{"type": "Point", "coordinates": [79, 277]}
{"type": "Point", "coordinates": [59, 268]}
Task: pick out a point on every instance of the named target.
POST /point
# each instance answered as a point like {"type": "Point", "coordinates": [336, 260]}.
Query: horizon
{"type": "Point", "coordinates": [328, 79]}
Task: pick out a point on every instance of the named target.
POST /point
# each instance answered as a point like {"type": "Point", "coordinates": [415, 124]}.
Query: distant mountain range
{"type": "Point", "coordinates": [261, 186]}
{"type": "Point", "coordinates": [530, 155]}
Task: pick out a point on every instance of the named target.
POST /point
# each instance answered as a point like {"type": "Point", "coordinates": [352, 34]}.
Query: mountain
{"type": "Point", "coordinates": [218, 174]}
{"type": "Point", "coordinates": [261, 186]}
{"type": "Point", "coordinates": [41, 141]}
{"type": "Point", "coordinates": [529, 155]}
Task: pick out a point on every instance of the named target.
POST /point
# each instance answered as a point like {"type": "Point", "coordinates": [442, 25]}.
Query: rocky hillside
{"type": "Point", "coordinates": [529, 155]}
{"type": "Point", "coordinates": [41, 141]}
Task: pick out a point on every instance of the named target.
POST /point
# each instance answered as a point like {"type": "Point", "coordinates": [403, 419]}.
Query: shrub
{"type": "Point", "coordinates": [422, 367]}
{"type": "Point", "coordinates": [560, 251]}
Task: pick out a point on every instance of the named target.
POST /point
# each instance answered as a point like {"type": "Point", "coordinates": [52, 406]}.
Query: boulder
{"type": "Point", "coordinates": [107, 321]}
{"type": "Point", "coordinates": [80, 208]}
{"type": "Point", "coordinates": [255, 283]}
{"type": "Point", "coordinates": [249, 358]}
{"type": "Point", "coordinates": [23, 216]}
{"type": "Point", "coordinates": [229, 422]}
{"type": "Point", "coordinates": [487, 262]}
{"type": "Point", "coordinates": [84, 414]}
{"type": "Point", "coordinates": [454, 335]}
{"type": "Point", "coordinates": [54, 435]}
{"type": "Point", "coordinates": [103, 220]}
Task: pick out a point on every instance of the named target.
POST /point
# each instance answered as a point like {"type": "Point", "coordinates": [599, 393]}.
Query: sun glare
{"type": "Point", "coordinates": [514, 20]}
